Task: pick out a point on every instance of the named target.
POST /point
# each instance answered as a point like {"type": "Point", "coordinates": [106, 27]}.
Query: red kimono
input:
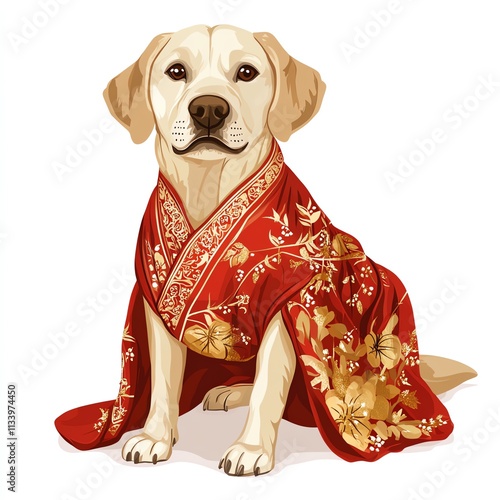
{"type": "Point", "coordinates": [270, 248]}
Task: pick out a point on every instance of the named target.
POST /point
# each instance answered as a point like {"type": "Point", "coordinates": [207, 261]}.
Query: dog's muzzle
{"type": "Point", "coordinates": [209, 113]}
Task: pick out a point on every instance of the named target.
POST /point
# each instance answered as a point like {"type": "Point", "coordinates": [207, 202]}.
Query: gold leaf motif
{"type": "Point", "coordinates": [237, 255]}
{"type": "Point", "coordinates": [339, 245]}
{"type": "Point", "coordinates": [303, 325]}
{"type": "Point", "coordinates": [337, 330]}
{"type": "Point", "coordinates": [304, 253]}
{"type": "Point", "coordinates": [340, 381]}
{"type": "Point", "coordinates": [388, 391]}
{"type": "Point", "coordinates": [126, 334]}
{"type": "Point", "coordinates": [302, 210]}
{"type": "Point", "coordinates": [380, 408]}
{"type": "Point", "coordinates": [314, 217]}
{"type": "Point", "coordinates": [360, 350]}
{"type": "Point", "coordinates": [392, 430]}
{"type": "Point", "coordinates": [410, 431]}
{"type": "Point", "coordinates": [322, 378]}
{"type": "Point", "coordinates": [275, 241]}
{"type": "Point", "coordinates": [359, 307]}
{"type": "Point", "coordinates": [267, 263]}
{"type": "Point", "coordinates": [381, 430]}
{"type": "Point", "coordinates": [410, 399]}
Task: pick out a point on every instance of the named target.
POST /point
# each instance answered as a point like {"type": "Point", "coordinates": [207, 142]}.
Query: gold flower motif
{"type": "Point", "coordinates": [352, 412]}
{"type": "Point", "coordinates": [216, 341]}
{"type": "Point", "coordinates": [99, 425]}
{"type": "Point", "coordinates": [384, 348]}
{"type": "Point", "coordinates": [237, 254]}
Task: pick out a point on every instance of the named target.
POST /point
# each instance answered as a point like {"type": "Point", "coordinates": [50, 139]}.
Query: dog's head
{"type": "Point", "coordinates": [214, 91]}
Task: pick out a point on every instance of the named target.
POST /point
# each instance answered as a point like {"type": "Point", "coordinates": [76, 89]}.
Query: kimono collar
{"type": "Point", "coordinates": [190, 249]}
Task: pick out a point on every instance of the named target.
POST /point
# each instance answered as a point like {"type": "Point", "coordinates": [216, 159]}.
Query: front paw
{"type": "Point", "coordinates": [145, 449]}
{"type": "Point", "coordinates": [227, 397]}
{"type": "Point", "coordinates": [245, 460]}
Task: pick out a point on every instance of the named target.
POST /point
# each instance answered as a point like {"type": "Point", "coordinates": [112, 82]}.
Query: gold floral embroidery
{"type": "Point", "coordinates": [99, 425]}
{"type": "Point", "coordinates": [120, 407]}
{"type": "Point", "coordinates": [237, 254]}
{"type": "Point", "coordinates": [217, 340]}
{"type": "Point", "coordinates": [409, 398]}
{"type": "Point", "coordinates": [410, 350]}
{"type": "Point", "coordinates": [367, 407]}
{"type": "Point", "coordinates": [175, 226]}
{"type": "Point", "coordinates": [384, 347]}
{"type": "Point", "coordinates": [324, 319]}
{"type": "Point", "coordinates": [352, 411]}
{"type": "Point", "coordinates": [126, 335]}
{"type": "Point", "coordinates": [210, 238]}
{"type": "Point", "coordinates": [321, 378]}
{"type": "Point", "coordinates": [157, 265]}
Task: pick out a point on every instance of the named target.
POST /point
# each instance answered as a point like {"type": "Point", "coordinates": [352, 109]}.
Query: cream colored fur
{"type": "Point", "coordinates": [283, 98]}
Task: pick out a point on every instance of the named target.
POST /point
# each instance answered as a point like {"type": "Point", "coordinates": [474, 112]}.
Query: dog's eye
{"type": "Point", "coordinates": [177, 72]}
{"type": "Point", "coordinates": [246, 73]}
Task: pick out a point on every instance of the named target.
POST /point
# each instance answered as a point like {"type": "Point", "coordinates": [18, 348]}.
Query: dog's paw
{"type": "Point", "coordinates": [227, 397]}
{"type": "Point", "coordinates": [145, 449]}
{"type": "Point", "coordinates": [246, 460]}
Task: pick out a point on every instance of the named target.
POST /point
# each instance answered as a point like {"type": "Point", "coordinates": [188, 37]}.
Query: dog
{"type": "Point", "coordinates": [218, 98]}
{"type": "Point", "coordinates": [213, 101]}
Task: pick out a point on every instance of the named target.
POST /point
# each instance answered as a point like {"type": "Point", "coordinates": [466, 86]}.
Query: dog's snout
{"type": "Point", "coordinates": [209, 111]}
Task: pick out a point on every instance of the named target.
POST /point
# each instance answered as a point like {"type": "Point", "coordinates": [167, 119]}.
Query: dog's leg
{"type": "Point", "coordinates": [253, 451]}
{"type": "Point", "coordinates": [226, 397]}
{"type": "Point", "coordinates": [168, 357]}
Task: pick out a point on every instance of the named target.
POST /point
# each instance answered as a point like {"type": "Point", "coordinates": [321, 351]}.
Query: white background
{"type": "Point", "coordinates": [63, 238]}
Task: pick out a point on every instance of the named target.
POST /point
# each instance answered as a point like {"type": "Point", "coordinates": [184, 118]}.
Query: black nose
{"type": "Point", "coordinates": [209, 111]}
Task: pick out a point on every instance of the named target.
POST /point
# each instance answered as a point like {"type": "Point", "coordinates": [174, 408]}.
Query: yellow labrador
{"type": "Point", "coordinates": [193, 81]}
{"type": "Point", "coordinates": [214, 130]}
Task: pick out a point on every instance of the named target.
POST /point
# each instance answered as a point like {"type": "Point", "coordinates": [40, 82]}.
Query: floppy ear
{"type": "Point", "coordinates": [127, 94]}
{"type": "Point", "coordinates": [299, 89]}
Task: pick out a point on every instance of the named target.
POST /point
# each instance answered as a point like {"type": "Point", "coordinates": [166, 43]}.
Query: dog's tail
{"type": "Point", "coordinates": [443, 374]}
